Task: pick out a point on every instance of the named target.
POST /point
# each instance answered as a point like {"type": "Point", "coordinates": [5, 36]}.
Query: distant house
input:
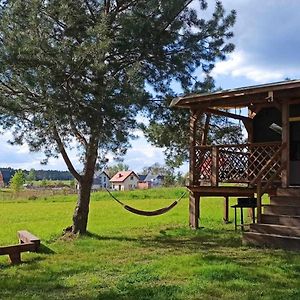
{"type": "Point", "coordinates": [142, 184]}
{"type": "Point", "coordinates": [101, 181]}
{"type": "Point", "coordinates": [149, 181]}
{"type": "Point", "coordinates": [156, 180]}
{"type": "Point", "coordinates": [1, 180]}
{"type": "Point", "coordinates": [124, 180]}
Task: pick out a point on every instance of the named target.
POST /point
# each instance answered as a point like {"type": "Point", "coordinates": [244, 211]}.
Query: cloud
{"type": "Point", "coordinates": [267, 42]}
{"type": "Point", "coordinates": [142, 154]}
{"type": "Point", "coordinates": [19, 157]}
{"type": "Point", "coordinates": [237, 65]}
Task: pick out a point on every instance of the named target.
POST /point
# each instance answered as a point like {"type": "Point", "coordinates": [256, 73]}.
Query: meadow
{"type": "Point", "coordinates": [125, 256]}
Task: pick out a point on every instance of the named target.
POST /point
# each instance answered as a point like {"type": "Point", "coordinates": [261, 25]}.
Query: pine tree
{"type": "Point", "coordinates": [78, 71]}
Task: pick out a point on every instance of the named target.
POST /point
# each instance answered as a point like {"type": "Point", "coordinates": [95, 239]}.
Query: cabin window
{"type": "Point", "coordinates": [131, 177]}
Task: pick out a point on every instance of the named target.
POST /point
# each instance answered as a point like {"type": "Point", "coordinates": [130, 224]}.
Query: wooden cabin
{"type": "Point", "coordinates": [268, 163]}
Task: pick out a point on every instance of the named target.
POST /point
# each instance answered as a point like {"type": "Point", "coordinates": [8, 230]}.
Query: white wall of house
{"type": "Point", "coordinates": [101, 181]}
{"type": "Point", "coordinates": [130, 183]}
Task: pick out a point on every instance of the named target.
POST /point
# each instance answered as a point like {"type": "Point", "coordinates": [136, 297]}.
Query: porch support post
{"type": "Point", "coordinates": [194, 208]}
{"type": "Point", "coordinates": [285, 156]}
{"type": "Point", "coordinates": [215, 166]}
{"type": "Point", "coordinates": [193, 178]}
{"type": "Point", "coordinates": [249, 126]}
{"type": "Point", "coordinates": [205, 131]}
{"type": "Point", "coordinates": [226, 210]}
{"type": "Point", "coordinates": [193, 130]}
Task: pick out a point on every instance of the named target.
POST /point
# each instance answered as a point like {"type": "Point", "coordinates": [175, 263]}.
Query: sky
{"type": "Point", "coordinates": [267, 50]}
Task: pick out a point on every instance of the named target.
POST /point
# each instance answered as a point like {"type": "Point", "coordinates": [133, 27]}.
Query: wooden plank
{"type": "Point", "coordinates": [285, 140]}
{"type": "Point", "coordinates": [205, 131]}
{"type": "Point", "coordinates": [193, 123]}
{"type": "Point", "coordinates": [222, 191]}
{"type": "Point", "coordinates": [239, 96]}
{"type": "Point", "coordinates": [269, 144]}
{"type": "Point", "coordinates": [226, 210]}
{"type": "Point", "coordinates": [27, 237]}
{"type": "Point", "coordinates": [194, 210]}
{"type": "Point", "coordinates": [215, 166]}
{"type": "Point", "coordinates": [17, 248]}
{"type": "Point", "coordinates": [227, 114]}
{"type": "Point", "coordinates": [294, 119]}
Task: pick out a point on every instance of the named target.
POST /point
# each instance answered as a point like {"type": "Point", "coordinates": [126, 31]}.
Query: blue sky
{"type": "Point", "coordinates": [267, 43]}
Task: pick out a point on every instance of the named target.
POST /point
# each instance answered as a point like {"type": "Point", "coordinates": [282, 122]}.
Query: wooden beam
{"type": "Point", "coordinates": [249, 127]}
{"type": "Point", "coordinates": [256, 108]}
{"type": "Point", "coordinates": [205, 130]}
{"type": "Point", "coordinates": [215, 166]}
{"type": "Point", "coordinates": [294, 119]}
{"type": "Point", "coordinates": [285, 154]}
{"type": "Point", "coordinates": [226, 114]}
{"type": "Point", "coordinates": [194, 209]}
{"type": "Point", "coordinates": [226, 210]}
{"type": "Point", "coordinates": [193, 128]}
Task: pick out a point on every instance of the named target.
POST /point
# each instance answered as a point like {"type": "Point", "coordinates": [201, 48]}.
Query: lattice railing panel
{"type": "Point", "coordinates": [259, 156]}
{"type": "Point", "coordinates": [203, 163]}
{"type": "Point", "coordinates": [233, 163]}
{"type": "Point", "coordinates": [236, 163]}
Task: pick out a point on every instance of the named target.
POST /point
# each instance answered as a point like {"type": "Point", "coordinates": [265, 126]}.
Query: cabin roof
{"type": "Point", "coordinates": [241, 97]}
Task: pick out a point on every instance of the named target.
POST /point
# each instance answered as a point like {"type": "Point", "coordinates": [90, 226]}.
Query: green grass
{"type": "Point", "coordinates": [132, 257]}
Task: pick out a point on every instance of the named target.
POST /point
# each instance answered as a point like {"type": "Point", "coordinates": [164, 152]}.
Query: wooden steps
{"type": "Point", "coordinates": [281, 210]}
{"type": "Point", "coordinates": [272, 240]}
{"type": "Point", "coordinates": [280, 222]}
{"type": "Point", "coordinates": [289, 192]}
{"type": "Point", "coordinates": [284, 200]}
{"type": "Point", "coordinates": [275, 229]}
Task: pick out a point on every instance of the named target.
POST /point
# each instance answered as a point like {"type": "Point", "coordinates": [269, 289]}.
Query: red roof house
{"type": "Point", "coordinates": [124, 180]}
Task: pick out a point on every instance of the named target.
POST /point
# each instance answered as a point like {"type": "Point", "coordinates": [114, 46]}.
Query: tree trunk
{"type": "Point", "coordinates": [80, 216]}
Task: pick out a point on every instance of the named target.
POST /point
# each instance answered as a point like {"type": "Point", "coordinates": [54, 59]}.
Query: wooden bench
{"type": "Point", "coordinates": [27, 237]}
{"type": "Point", "coordinates": [28, 242]}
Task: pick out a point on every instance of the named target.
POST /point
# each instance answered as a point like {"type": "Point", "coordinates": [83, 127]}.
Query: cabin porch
{"type": "Point", "coordinates": [266, 163]}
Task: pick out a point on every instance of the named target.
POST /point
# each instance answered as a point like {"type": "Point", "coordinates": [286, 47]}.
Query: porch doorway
{"type": "Point", "coordinates": [295, 153]}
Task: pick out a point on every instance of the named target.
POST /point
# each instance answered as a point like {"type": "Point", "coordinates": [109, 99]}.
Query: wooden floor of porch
{"type": "Point", "coordinates": [223, 191]}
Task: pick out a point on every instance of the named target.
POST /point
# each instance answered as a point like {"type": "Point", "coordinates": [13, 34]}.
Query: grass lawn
{"type": "Point", "coordinates": [133, 257]}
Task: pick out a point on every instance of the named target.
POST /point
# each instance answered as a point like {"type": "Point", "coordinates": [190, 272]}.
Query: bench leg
{"type": "Point", "coordinates": [15, 258]}
{"type": "Point", "coordinates": [242, 219]}
{"type": "Point", "coordinates": [235, 220]}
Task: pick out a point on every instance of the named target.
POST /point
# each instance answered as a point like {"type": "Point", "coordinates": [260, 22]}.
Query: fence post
{"type": "Point", "coordinates": [215, 166]}
{"type": "Point", "coordinates": [259, 195]}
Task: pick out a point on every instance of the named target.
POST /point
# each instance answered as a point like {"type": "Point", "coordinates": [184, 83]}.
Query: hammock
{"type": "Point", "coordinates": [147, 213]}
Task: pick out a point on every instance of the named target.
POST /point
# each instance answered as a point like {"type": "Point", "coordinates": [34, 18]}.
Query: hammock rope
{"type": "Point", "coordinates": [147, 213]}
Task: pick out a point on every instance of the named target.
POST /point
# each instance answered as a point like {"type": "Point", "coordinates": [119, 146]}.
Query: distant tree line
{"type": "Point", "coordinates": [33, 174]}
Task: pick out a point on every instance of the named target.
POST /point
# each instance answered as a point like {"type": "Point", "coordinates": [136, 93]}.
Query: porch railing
{"type": "Point", "coordinates": [235, 163]}
{"type": "Point", "coordinates": [259, 165]}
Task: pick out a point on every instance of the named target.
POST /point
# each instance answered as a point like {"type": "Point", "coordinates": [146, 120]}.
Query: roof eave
{"type": "Point", "coordinates": [232, 94]}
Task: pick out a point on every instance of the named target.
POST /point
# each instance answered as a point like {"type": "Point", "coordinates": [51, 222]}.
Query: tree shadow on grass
{"type": "Point", "coordinates": [182, 239]}
{"type": "Point", "coordinates": [162, 292]}
{"type": "Point", "coordinates": [24, 262]}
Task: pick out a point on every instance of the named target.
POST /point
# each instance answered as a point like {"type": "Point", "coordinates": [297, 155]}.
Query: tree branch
{"type": "Point", "coordinates": [106, 6]}
{"type": "Point", "coordinates": [90, 10]}
{"type": "Point", "coordinates": [65, 155]}
{"type": "Point", "coordinates": [178, 13]}
{"type": "Point", "coordinates": [78, 135]}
